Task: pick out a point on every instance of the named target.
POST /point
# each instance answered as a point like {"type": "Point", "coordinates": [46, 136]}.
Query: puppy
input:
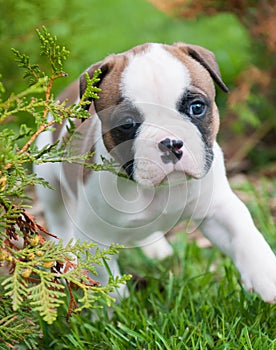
{"type": "Point", "coordinates": [157, 118]}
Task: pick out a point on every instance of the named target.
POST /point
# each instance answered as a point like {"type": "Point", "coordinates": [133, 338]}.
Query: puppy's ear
{"type": "Point", "coordinates": [207, 59]}
{"type": "Point", "coordinates": [105, 66]}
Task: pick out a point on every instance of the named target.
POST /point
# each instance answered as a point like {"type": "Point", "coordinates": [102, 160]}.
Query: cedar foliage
{"type": "Point", "coordinates": [42, 274]}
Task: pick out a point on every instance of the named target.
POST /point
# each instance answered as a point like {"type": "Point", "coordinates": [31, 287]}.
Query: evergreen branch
{"type": "Point", "coordinates": [37, 275]}
{"type": "Point", "coordinates": [91, 91]}
{"type": "Point", "coordinates": [32, 139]}
{"type": "Point", "coordinates": [17, 103]}
{"type": "Point", "coordinates": [32, 71]}
{"type": "Point", "coordinates": [16, 286]}
{"type": "Point", "coordinates": [42, 273]}
{"type": "Point", "coordinates": [42, 127]}
{"type": "Point", "coordinates": [45, 298]}
{"type": "Point", "coordinates": [16, 328]}
{"type": "Point", "coordinates": [55, 53]}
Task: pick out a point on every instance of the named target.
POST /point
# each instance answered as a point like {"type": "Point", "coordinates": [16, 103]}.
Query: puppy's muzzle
{"type": "Point", "coordinates": [171, 150]}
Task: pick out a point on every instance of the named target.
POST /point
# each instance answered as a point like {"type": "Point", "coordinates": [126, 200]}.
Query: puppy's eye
{"type": "Point", "coordinates": [127, 123]}
{"type": "Point", "coordinates": [197, 109]}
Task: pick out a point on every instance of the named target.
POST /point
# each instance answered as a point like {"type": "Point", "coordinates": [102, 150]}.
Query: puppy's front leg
{"type": "Point", "coordinates": [156, 246]}
{"type": "Point", "coordinates": [231, 228]}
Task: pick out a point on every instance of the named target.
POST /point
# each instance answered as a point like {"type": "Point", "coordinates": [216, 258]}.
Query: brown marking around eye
{"type": "Point", "coordinates": [200, 79]}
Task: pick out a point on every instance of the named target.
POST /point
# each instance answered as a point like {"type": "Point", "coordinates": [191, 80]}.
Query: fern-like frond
{"type": "Point", "coordinates": [46, 297]}
{"type": "Point", "coordinates": [16, 287]}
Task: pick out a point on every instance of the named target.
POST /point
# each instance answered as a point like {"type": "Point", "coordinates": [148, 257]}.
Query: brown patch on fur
{"type": "Point", "coordinates": [216, 122]}
{"type": "Point", "coordinates": [206, 58]}
{"type": "Point", "coordinates": [201, 78]}
{"type": "Point", "coordinates": [110, 85]}
{"type": "Point", "coordinates": [108, 141]}
{"type": "Point", "coordinates": [112, 66]}
{"type": "Point", "coordinates": [199, 75]}
{"type": "Point", "coordinates": [110, 93]}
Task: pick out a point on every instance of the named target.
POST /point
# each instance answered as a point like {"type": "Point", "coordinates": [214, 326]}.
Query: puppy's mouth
{"type": "Point", "coordinates": [160, 168]}
{"type": "Point", "coordinates": [159, 178]}
{"type": "Point", "coordinates": [175, 178]}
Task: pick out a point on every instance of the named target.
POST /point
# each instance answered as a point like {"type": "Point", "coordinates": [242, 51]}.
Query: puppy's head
{"type": "Point", "coordinates": [157, 109]}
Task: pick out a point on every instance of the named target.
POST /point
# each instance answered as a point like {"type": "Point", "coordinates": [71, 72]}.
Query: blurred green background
{"type": "Point", "coordinates": [92, 29]}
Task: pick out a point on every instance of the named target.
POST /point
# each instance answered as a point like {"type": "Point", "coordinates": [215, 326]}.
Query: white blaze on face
{"type": "Point", "coordinates": [154, 82]}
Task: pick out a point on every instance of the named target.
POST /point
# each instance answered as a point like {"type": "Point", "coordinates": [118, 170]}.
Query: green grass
{"type": "Point", "coordinates": [193, 300]}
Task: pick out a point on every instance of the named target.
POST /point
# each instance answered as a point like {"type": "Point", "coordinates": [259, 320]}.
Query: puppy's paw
{"type": "Point", "coordinates": [259, 275]}
{"type": "Point", "coordinates": [156, 246]}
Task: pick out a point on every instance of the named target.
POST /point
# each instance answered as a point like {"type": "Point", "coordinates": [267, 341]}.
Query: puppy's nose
{"type": "Point", "coordinates": [171, 150]}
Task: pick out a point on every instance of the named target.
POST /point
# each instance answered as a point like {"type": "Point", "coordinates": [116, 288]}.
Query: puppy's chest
{"type": "Point", "coordinates": [124, 204]}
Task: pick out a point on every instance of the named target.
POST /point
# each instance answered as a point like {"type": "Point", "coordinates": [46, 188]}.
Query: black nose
{"type": "Point", "coordinates": [172, 150]}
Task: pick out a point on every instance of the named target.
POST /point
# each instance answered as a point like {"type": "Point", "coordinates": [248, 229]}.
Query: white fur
{"type": "Point", "coordinates": [148, 166]}
{"type": "Point", "coordinates": [108, 208]}
{"type": "Point", "coordinates": [148, 72]}
{"type": "Point", "coordinates": [154, 90]}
